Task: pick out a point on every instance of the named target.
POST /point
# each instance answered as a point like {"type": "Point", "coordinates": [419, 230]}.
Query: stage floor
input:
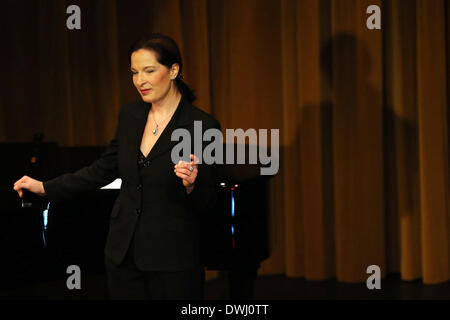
{"type": "Point", "coordinates": [276, 287]}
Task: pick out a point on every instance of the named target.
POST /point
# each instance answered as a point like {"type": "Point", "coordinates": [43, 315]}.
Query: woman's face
{"type": "Point", "coordinates": [152, 79]}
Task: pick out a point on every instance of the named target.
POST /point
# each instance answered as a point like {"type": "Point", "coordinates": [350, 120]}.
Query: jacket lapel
{"type": "Point", "coordinates": [140, 112]}
{"type": "Point", "coordinates": [180, 119]}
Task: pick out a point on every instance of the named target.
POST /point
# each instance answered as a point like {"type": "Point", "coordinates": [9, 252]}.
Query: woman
{"type": "Point", "coordinates": [152, 249]}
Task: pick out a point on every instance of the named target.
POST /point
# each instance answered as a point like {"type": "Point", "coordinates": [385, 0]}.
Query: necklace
{"type": "Point", "coordinates": [155, 131]}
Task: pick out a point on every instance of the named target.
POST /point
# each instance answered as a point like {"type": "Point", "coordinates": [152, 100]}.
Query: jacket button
{"type": "Point", "coordinates": [139, 187]}
{"type": "Point", "coordinates": [138, 211]}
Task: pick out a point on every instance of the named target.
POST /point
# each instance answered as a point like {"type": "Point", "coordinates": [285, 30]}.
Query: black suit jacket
{"type": "Point", "coordinates": [162, 217]}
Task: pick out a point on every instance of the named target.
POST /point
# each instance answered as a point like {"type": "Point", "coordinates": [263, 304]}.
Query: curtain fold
{"type": "Point", "coordinates": [401, 140]}
{"type": "Point", "coordinates": [433, 140]}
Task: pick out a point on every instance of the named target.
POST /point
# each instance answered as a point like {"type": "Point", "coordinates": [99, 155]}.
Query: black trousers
{"type": "Point", "coordinates": [127, 282]}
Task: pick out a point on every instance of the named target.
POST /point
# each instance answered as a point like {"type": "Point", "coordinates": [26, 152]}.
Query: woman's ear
{"type": "Point", "coordinates": [174, 71]}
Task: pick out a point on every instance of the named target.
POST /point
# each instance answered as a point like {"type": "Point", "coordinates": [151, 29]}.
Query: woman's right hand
{"type": "Point", "coordinates": [29, 184]}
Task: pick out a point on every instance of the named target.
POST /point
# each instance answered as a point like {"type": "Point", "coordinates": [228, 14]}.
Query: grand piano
{"type": "Point", "coordinates": [41, 239]}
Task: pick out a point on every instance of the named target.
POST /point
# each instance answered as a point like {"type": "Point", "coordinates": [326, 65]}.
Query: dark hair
{"type": "Point", "coordinates": [167, 53]}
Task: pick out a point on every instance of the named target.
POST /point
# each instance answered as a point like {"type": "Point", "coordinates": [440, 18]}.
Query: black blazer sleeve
{"type": "Point", "coordinates": [204, 195]}
{"type": "Point", "coordinates": [100, 173]}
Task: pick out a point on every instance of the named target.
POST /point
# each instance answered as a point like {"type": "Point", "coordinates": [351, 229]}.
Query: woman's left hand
{"type": "Point", "coordinates": [187, 171]}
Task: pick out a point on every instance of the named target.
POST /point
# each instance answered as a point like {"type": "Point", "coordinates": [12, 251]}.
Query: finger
{"type": "Point", "coordinates": [24, 178]}
{"type": "Point", "coordinates": [24, 185]}
{"type": "Point", "coordinates": [187, 165]}
{"type": "Point", "coordinates": [183, 176]}
{"type": "Point", "coordinates": [194, 165]}
{"type": "Point", "coordinates": [181, 164]}
{"type": "Point", "coordinates": [184, 171]}
{"type": "Point", "coordinates": [21, 180]}
{"type": "Point", "coordinates": [194, 159]}
{"type": "Point", "coordinates": [189, 177]}
{"type": "Point", "coordinates": [178, 164]}
{"type": "Point", "coordinates": [19, 186]}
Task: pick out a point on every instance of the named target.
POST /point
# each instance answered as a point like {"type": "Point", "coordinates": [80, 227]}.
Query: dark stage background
{"type": "Point", "coordinates": [363, 114]}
